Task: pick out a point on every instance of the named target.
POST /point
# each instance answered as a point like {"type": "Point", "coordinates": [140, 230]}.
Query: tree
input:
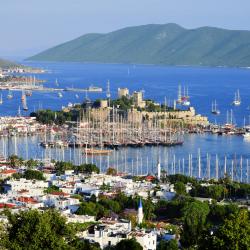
{"type": "Point", "coordinates": [194, 218]}
{"type": "Point", "coordinates": [88, 208]}
{"type": "Point", "coordinates": [219, 213]}
{"type": "Point", "coordinates": [31, 163]}
{"type": "Point", "coordinates": [33, 175]}
{"type": "Point", "coordinates": [51, 189]}
{"type": "Point", "coordinates": [180, 188]}
{"type": "Point", "coordinates": [78, 244]}
{"type": "Point", "coordinates": [62, 166]}
{"type": "Point", "coordinates": [32, 230]}
{"type": "Point", "coordinates": [111, 171]}
{"type": "Point", "coordinates": [234, 234]}
{"type": "Point", "coordinates": [87, 169]}
{"type": "Point", "coordinates": [168, 245]}
{"type": "Point", "coordinates": [111, 205]}
{"type": "Point", "coordinates": [130, 244]}
{"type": "Point", "coordinates": [91, 208]}
{"type": "Point", "coordinates": [15, 161]}
{"type": "Point", "coordinates": [148, 208]}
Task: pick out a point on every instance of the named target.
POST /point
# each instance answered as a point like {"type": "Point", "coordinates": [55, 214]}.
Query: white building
{"type": "Point", "coordinates": [110, 232]}
{"type": "Point", "coordinates": [73, 218]}
{"type": "Point", "coordinates": [32, 187]}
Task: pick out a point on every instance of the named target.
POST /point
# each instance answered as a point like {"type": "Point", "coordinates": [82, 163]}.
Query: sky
{"type": "Point", "coordinates": [31, 26]}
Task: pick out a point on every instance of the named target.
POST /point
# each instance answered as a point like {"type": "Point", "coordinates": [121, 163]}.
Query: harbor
{"type": "Point", "coordinates": [134, 142]}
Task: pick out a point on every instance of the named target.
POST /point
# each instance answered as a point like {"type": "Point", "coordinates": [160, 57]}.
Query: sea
{"type": "Point", "coordinates": [160, 83]}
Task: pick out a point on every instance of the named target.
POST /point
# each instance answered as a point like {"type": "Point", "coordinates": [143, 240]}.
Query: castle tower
{"type": "Point", "coordinates": [140, 213]}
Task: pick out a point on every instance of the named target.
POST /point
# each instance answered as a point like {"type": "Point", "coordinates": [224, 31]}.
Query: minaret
{"type": "Point", "coordinates": [159, 171]}
{"type": "Point", "coordinates": [140, 213]}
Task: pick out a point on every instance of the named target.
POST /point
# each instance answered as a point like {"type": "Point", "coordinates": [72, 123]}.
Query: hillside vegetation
{"type": "Point", "coordinates": [168, 44]}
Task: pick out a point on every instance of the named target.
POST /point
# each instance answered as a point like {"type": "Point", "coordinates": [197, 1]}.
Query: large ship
{"type": "Point", "coordinates": [91, 88]}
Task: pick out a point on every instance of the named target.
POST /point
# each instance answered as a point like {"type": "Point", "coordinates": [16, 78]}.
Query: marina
{"type": "Point", "coordinates": [197, 157]}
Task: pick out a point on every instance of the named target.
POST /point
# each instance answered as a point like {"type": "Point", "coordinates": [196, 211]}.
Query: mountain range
{"type": "Point", "coordinates": [163, 44]}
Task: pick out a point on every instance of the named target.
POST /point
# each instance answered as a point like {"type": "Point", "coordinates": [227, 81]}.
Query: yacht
{"type": "Point", "coordinates": [70, 105]}
{"type": "Point", "coordinates": [185, 102]}
{"type": "Point", "coordinates": [28, 93]}
{"type": "Point", "coordinates": [246, 136]}
{"type": "Point", "coordinates": [237, 100]}
{"type": "Point", "coordinates": [10, 95]}
{"type": "Point", "coordinates": [24, 101]}
{"type": "Point", "coordinates": [215, 110]}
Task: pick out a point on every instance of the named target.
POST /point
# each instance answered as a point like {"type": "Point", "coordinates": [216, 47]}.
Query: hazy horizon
{"type": "Point", "coordinates": [31, 26]}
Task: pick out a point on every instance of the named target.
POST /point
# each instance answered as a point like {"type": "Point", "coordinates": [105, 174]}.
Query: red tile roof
{"type": "Point", "coordinates": [59, 193]}
{"type": "Point", "coordinates": [27, 199]}
{"type": "Point", "coordinates": [8, 205]}
{"type": "Point", "coordinates": [8, 171]}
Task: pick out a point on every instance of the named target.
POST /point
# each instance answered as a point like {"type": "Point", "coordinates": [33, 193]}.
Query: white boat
{"type": "Point", "coordinates": [24, 101]}
{"type": "Point", "coordinates": [1, 99]}
{"type": "Point", "coordinates": [185, 102]}
{"type": "Point", "coordinates": [77, 96]}
{"type": "Point", "coordinates": [10, 95]}
{"type": "Point", "coordinates": [60, 95]}
{"type": "Point", "coordinates": [215, 110]}
{"type": "Point", "coordinates": [246, 136]}
{"type": "Point", "coordinates": [237, 100]}
{"type": "Point", "coordinates": [28, 93]}
{"type": "Point", "coordinates": [19, 112]}
{"type": "Point", "coordinates": [70, 105]}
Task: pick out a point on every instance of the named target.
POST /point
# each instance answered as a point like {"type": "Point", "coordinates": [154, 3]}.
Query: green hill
{"type": "Point", "coordinates": [168, 44]}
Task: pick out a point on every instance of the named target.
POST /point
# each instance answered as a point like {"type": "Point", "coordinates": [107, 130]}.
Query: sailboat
{"type": "Point", "coordinates": [1, 99]}
{"type": "Point", "coordinates": [179, 96]}
{"type": "Point", "coordinates": [56, 83]}
{"type": "Point", "coordinates": [19, 112]}
{"type": "Point", "coordinates": [24, 101]}
{"type": "Point", "coordinates": [237, 100]}
{"type": "Point", "coordinates": [185, 98]}
{"type": "Point", "coordinates": [60, 95]}
{"type": "Point", "coordinates": [215, 110]}
{"type": "Point", "coordinates": [10, 95]}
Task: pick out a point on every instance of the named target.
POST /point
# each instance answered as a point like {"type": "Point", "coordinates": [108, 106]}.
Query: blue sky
{"type": "Point", "coordinates": [30, 26]}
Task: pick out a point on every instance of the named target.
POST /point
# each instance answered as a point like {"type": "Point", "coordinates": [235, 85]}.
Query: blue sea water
{"type": "Point", "coordinates": [204, 84]}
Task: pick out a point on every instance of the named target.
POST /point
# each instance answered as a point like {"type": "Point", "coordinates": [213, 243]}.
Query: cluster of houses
{"type": "Point", "coordinates": [19, 125]}
{"type": "Point", "coordinates": [23, 194]}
